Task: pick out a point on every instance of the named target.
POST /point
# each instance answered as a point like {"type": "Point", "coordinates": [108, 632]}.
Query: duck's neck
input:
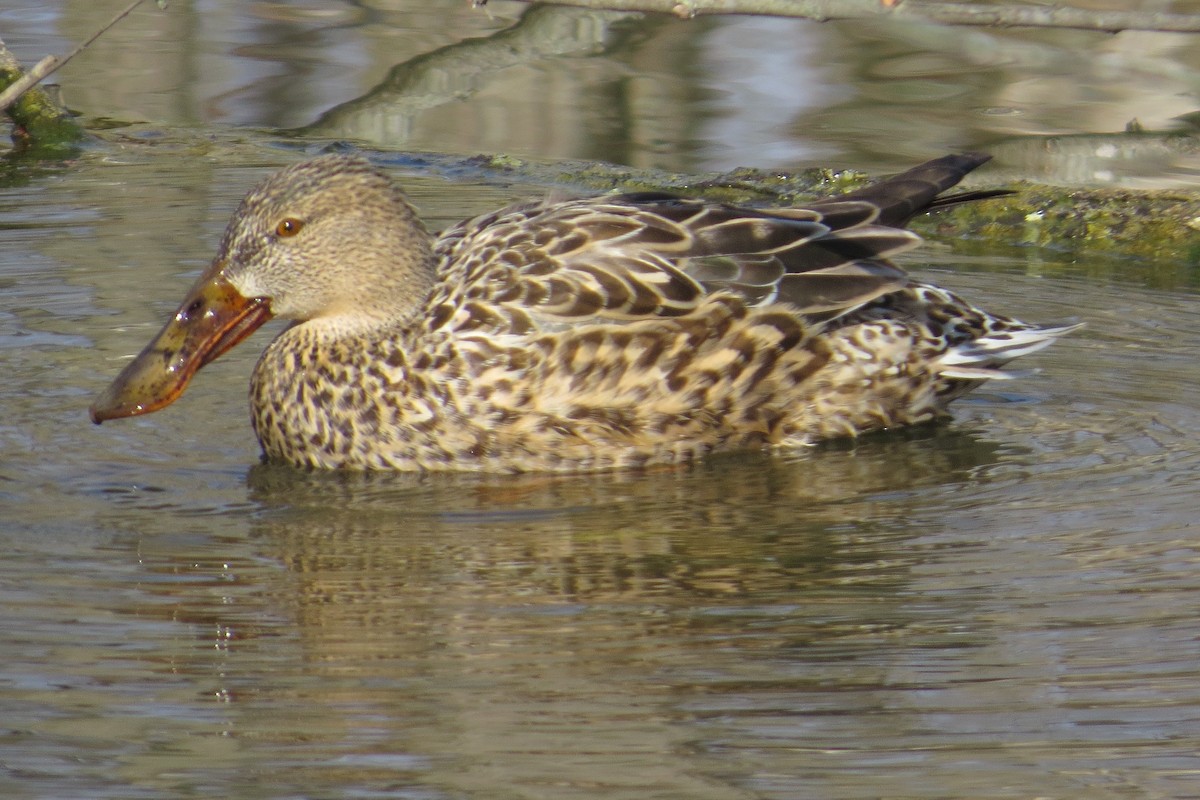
{"type": "Point", "coordinates": [379, 306]}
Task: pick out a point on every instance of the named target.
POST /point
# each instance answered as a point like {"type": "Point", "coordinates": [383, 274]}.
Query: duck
{"type": "Point", "coordinates": [618, 331]}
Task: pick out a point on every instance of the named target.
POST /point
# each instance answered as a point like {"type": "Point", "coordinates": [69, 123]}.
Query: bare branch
{"type": "Point", "coordinates": [1026, 16]}
{"type": "Point", "coordinates": [50, 63]}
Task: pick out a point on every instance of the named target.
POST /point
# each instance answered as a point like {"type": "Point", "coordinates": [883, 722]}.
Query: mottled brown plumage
{"type": "Point", "coordinates": [599, 333]}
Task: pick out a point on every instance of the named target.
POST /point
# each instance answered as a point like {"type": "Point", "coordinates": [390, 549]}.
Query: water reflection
{"type": "Point", "coordinates": [391, 112]}
{"type": "Point", "coordinates": [649, 91]}
{"type": "Point", "coordinates": [688, 531]}
{"type": "Point", "coordinates": [461, 632]}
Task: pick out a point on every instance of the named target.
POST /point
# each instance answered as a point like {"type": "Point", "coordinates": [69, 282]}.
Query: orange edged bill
{"type": "Point", "coordinates": [211, 319]}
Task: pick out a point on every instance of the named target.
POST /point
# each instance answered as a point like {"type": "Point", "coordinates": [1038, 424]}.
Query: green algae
{"type": "Point", "coordinates": [40, 127]}
{"type": "Point", "coordinates": [1159, 225]}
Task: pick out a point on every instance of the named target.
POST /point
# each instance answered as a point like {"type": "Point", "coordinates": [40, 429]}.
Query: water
{"type": "Point", "coordinates": [1000, 607]}
{"type": "Point", "coordinates": [648, 91]}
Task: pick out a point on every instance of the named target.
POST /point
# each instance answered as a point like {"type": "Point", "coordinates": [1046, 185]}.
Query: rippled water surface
{"type": "Point", "coordinates": [1000, 607]}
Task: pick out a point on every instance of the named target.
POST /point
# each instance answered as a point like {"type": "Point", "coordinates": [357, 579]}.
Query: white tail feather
{"type": "Point", "coordinates": [980, 359]}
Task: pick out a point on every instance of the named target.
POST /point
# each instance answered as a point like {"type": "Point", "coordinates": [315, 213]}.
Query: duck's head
{"type": "Point", "coordinates": [330, 242]}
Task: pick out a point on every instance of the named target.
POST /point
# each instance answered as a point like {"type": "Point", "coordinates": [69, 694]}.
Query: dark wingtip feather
{"type": "Point", "coordinates": [902, 196]}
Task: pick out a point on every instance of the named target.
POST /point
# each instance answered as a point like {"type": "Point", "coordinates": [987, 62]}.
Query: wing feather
{"type": "Point", "coordinates": [635, 256]}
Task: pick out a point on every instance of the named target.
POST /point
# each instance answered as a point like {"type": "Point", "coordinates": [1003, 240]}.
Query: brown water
{"type": "Point", "coordinates": [1001, 607]}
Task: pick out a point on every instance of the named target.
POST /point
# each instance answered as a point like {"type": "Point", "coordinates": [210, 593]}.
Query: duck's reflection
{"type": "Point", "coordinates": [740, 525]}
{"type": "Point", "coordinates": [527, 631]}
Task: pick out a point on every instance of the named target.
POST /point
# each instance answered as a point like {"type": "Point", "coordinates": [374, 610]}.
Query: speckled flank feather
{"type": "Point", "coordinates": [610, 332]}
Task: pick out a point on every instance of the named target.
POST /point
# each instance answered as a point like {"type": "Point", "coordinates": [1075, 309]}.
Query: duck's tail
{"type": "Point", "coordinates": [982, 358]}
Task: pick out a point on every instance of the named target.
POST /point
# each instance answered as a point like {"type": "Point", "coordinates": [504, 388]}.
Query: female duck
{"type": "Point", "coordinates": [608, 332]}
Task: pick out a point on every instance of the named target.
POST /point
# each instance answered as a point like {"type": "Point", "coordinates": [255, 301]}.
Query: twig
{"type": "Point", "coordinates": [1024, 16]}
{"type": "Point", "coordinates": [50, 63]}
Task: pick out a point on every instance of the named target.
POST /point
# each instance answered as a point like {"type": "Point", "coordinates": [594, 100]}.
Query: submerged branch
{"type": "Point", "coordinates": [1024, 16]}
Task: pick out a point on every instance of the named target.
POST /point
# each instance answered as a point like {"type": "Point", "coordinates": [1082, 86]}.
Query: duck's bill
{"type": "Point", "coordinates": [211, 319]}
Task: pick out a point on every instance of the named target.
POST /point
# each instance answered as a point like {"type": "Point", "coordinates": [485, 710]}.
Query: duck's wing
{"type": "Point", "coordinates": [821, 261]}
{"type": "Point", "coordinates": [639, 256]}
{"type": "Point", "coordinates": [644, 255]}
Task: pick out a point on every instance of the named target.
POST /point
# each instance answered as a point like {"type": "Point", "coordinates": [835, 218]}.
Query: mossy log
{"type": "Point", "coordinates": [40, 126]}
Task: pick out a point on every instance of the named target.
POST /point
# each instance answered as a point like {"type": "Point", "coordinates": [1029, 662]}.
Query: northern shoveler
{"type": "Point", "coordinates": [606, 332]}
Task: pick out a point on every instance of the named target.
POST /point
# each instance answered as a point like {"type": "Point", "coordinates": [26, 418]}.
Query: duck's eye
{"type": "Point", "coordinates": [288, 227]}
